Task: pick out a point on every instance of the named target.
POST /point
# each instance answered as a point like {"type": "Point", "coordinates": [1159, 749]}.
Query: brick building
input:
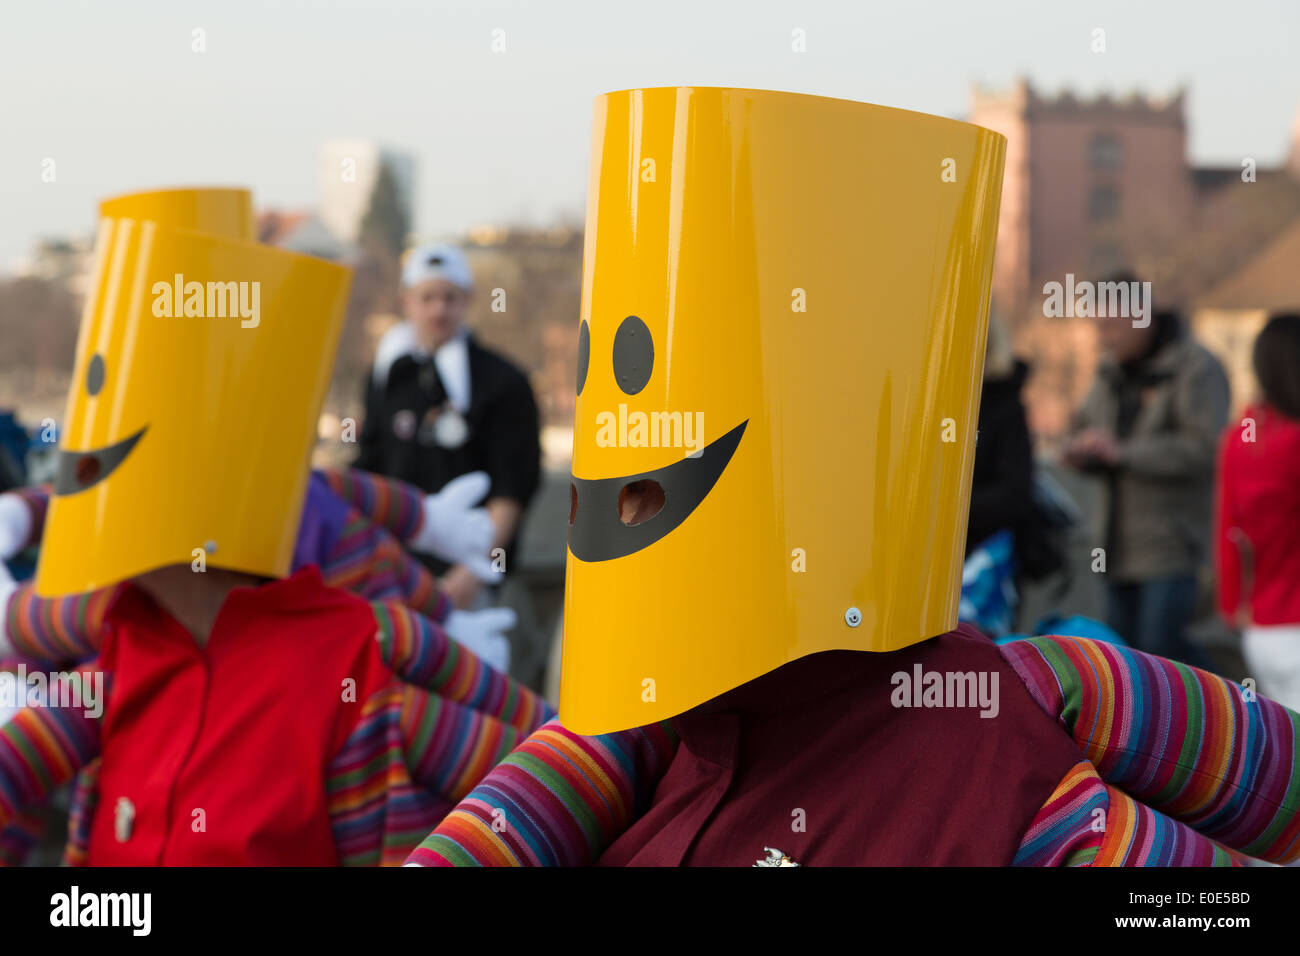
{"type": "Point", "coordinates": [1091, 185]}
{"type": "Point", "coordinates": [1095, 185]}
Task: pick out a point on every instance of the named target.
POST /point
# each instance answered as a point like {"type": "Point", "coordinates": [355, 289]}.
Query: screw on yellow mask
{"type": "Point", "coordinates": [202, 363]}
{"type": "Point", "coordinates": [784, 309]}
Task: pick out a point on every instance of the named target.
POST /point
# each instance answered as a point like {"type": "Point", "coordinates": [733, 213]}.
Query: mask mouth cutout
{"type": "Point", "coordinates": [79, 470]}
{"type": "Point", "coordinates": [647, 506]}
{"type": "Point", "coordinates": [639, 501]}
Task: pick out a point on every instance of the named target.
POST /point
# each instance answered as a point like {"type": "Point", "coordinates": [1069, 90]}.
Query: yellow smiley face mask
{"type": "Point", "coordinates": [784, 310]}
{"type": "Point", "coordinates": [201, 366]}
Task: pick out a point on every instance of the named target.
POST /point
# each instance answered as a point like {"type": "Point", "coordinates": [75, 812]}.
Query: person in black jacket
{"type": "Point", "coordinates": [1003, 481]}
{"type": "Point", "coordinates": [439, 405]}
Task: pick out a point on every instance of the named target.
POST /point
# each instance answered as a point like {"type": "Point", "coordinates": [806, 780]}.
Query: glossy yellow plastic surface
{"type": "Point", "coordinates": [218, 212]}
{"type": "Point", "coordinates": [818, 271]}
{"type": "Point", "coordinates": [191, 419]}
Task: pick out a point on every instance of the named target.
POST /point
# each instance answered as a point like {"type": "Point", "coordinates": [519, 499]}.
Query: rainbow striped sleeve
{"type": "Point", "coordinates": [1086, 822]}
{"type": "Point", "coordinates": [1184, 742]}
{"type": "Point", "coordinates": [420, 652]}
{"type": "Point", "coordinates": [81, 814]}
{"type": "Point", "coordinates": [377, 813]}
{"type": "Point", "coordinates": [397, 506]}
{"type": "Point", "coordinates": [20, 836]}
{"type": "Point", "coordinates": [560, 799]}
{"type": "Point", "coordinates": [1068, 829]}
{"type": "Point", "coordinates": [411, 756]}
{"type": "Point", "coordinates": [1136, 835]}
{"type": "Point", "coordinates": [40, 749]}
{"type": "Point", "coordinates": [368, 561]}
{"type": "Point", "coordinates": [450, 748]}
{"type": "Point", "coordinates": [56, 630]}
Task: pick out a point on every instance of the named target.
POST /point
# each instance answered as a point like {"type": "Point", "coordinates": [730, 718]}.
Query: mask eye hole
{"type": "Point", "coordinates": [95, 374]}
{"type": "Point", "coordinates": [584, 354]}
{"type": "Point", "coordinates": [634, 355]}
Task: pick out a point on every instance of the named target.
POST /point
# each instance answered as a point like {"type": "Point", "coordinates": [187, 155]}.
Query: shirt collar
{"type": "Point", "coordinates": [820, 675]}
{"type": "Point", "coordinates": [457, 342]}
{"type": "Point", "coordinates": [452, 361]}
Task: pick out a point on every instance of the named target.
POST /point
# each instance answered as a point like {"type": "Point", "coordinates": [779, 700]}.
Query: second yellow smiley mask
{"type": "Point", "coordinates": [201, 366]}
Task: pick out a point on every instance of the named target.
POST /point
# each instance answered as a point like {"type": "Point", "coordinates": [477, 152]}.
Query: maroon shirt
{"type": "Point", "coordinates": [815, 760]}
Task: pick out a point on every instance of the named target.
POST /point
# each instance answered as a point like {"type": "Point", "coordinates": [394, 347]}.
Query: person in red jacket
{"type": "Point", "coordinates": [240, 710]}
{"type": "Point", "coordinates": [1257, 542]}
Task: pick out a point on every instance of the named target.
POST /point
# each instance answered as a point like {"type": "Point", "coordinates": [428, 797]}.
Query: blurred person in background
{"type": "Point", "coordinates": [1001, 490]}
{"type": "Point", "coordinates": [1003, 477]}
{"type": "Point", "coordinates": [439, 405]}
{"type": "Point", "coordinates": [13, 451]}
{"type": "Point", "coordinates": [1149, 429]}
{"type": "Point", "coordinates": [1257, 541]}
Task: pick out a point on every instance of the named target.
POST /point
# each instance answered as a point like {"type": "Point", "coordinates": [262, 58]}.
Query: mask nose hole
{"type": "Point", "coordinates": [639, 501]}
{"type": "Point", "coordinates": [88, 470]}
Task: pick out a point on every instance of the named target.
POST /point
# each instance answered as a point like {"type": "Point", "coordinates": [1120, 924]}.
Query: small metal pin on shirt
{"type": "Point", "coordinates": [775, 857]}
{"type": "Point", "coordinates": [444, 427]}
{"type": "Point", "coordinates": [123, 819]}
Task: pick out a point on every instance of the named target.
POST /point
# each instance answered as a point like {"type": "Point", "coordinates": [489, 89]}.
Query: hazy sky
{"type": "Point", "coordinates": [113, 93]}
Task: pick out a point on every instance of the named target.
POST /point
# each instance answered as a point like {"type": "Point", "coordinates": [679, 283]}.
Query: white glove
{"type": "Point", "coordinates": [481, 632]}
{"type": "Point", "coordinates": [455, 531]}
{"type": "Point", "coordinates": [16, 526]}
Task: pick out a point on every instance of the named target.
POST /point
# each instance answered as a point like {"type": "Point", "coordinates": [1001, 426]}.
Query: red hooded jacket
{"type": "Point", "coordinates": [1257, 524]}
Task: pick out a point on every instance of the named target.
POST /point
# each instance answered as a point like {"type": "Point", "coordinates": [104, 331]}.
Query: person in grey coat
{"type": "Point", "coordinates": [1149, 430]}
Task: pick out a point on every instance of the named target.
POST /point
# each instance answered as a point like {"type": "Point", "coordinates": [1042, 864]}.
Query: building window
{"type": "Point", "coordinates": [1105, 152]}
{"type": "Point", "coordinates": [1103, 203]}
{"type": "Point", "coordinates": [1105, 258]}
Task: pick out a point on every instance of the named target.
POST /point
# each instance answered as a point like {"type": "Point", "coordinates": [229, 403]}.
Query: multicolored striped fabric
{"type": "Point", "coordinates": [413, 753]}
{"type": "Point", "coordinates": [375, 808]}
{"type": "Point", "coordinates": [364, 559]}
{"type": "Point", "coordinates": [1177, 760]}
{"type": "Point", "coordinates": [1136, 835]}
{"type": "Point", "coordinates": [1181, 741]}
{"type": "Point", "coordinates": [1087, 822]}
{"type": "Point", "coordinates": [410, 758]}
{"type": "Point", "coordinates": [449, 747]}
{"type": "Point", "coordinates": [1068, 830]}
{"type": "Point", "coordinates": [421, 653]}
{"type": "Point", "coordinates": [420, 745]}
{"type": "Point", "coordinates": [558, 800]}
{"type": "Point", "coordinates": [21, 837]}
{"type": "Point", "coordinates": [55, 631]}
{"type": "Point", "coordinates": [42, 748]}
{"type": "Point", "coordinates": [397, 506]}
{"type": "Point", "coordinates": [85, 795]}
{"type": "Point", "coordinates": [379, 814]}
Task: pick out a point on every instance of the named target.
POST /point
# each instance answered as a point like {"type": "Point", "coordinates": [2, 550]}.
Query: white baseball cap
{"type": "Point", "coordinates": [437, 262]}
